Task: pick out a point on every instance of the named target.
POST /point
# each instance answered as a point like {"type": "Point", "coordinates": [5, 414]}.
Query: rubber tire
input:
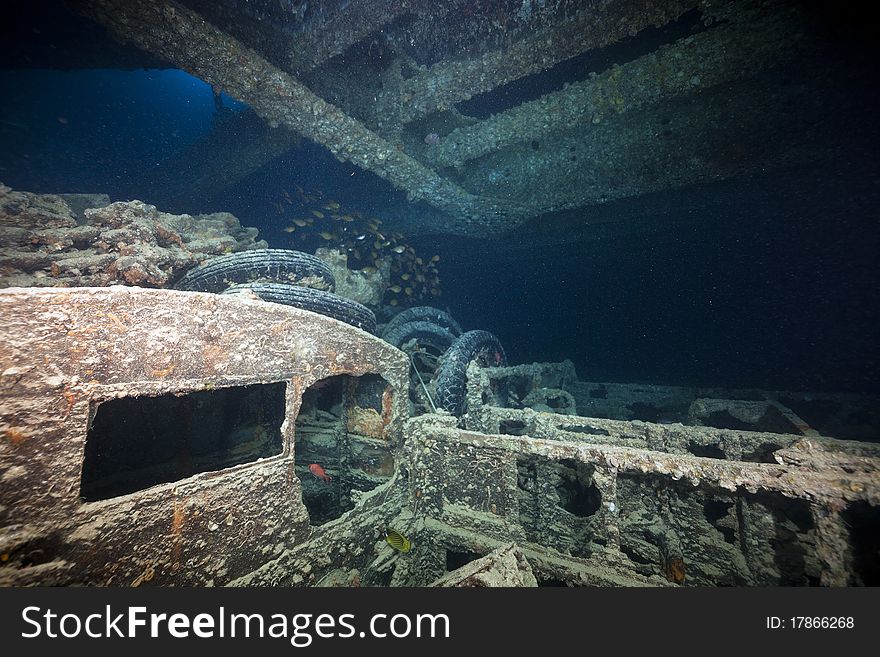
{"type": "Point", "coordinates": [427, 333]}
{"type": "Point", "coordinates": [318, 301]}
{"type": "Point", "coordinates": [258, 265]}
{"type": "Point", "coordinates": [452, 377]}
{"type": "Point", "coordinates": [423, 314]}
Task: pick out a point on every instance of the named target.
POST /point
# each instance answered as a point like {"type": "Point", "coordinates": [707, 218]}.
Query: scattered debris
{"type": "Point", "coordinates": [506, 566]}
{"type": "Point", "coordinates": [48, 243]}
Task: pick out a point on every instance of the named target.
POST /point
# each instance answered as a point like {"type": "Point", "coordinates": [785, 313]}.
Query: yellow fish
{"type": "Point", "coordinates": [289, 229]}
{"type": "Point", "coordinates": [395, 288]}
{"type": "Point", "coordinates": [408, 291]}
{"type": "Point", "coordinates": [301, 222]}
{"type": "Point", "coordinates": [397, 540]}
{"type": "Point", "coordinates": [327, 236]}
{"type": "Point", "coordinates": [435, 258]}
{"type": "Point", "coordinates": [393, 302]}
{"type": "Point", "coordinates": [319, 215]}
{"type": "Point", "coordinates": [404, 277]}
{"type": "Point", "coordinates": [332, 205]}
{"type": "Point", "coordinates": [399, 249]}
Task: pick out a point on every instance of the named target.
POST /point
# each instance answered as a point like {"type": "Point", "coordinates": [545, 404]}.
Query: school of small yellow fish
{"type": "Point", "coordinates": [312, 221]}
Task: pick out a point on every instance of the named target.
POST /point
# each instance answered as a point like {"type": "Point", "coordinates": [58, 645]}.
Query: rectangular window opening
{"type": "Point", "coordinates": [134, 443]}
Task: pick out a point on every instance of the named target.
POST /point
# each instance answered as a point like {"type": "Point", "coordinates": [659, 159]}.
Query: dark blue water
{"type": "Point", "coordinates": [96, 130]}
{"type": "Point", "coordinates": [738, 304]}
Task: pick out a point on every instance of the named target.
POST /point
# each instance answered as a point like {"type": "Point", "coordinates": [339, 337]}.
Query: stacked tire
{"type": "Point", "coordinates": [436, 329]}
{"type": "Point", "coordinates": [291, 278]}
{"type": "Point", "coordinates": [451, 387]}
{"type": "Point", "coordinates": [429, 326]}
{"type": "Point", "coordinates": [423, 314]}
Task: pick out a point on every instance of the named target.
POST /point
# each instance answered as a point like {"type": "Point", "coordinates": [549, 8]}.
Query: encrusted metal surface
{"type": "Point", "coordinates": [447, 83]}
{"type": "Point", "coordinates": [184, 38]}
{"type": "Point", "coordinates": [619, 502]}
{"type": "Point", "coordinates": [505, 566]}
{"type": "Point", "coordinates": [694, 63]}
{"type": "Point", "coordinates": [64, 352]}
{"type": "Point", "coordinates": [604, 507]}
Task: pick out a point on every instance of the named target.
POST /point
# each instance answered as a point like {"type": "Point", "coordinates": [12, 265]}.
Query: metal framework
{"type": "Point", "coordinates": [348, 77]}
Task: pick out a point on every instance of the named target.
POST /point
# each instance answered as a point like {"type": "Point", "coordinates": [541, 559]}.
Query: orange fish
{"type": "Point", "coordinates": [319, 472]}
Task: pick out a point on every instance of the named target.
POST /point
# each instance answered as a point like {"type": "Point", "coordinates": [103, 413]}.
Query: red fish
{"type": "Point", "coordinates": [319, 472]}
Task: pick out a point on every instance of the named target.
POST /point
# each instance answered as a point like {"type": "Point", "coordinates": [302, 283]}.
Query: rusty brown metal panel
{"type": "Point", "coordinates": [816, 479]}
{"type": "Point", "coordinates": [63, 351]}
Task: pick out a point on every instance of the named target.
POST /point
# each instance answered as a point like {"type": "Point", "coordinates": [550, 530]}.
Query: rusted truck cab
{"type": "Point", "coordinates": [164, 437]}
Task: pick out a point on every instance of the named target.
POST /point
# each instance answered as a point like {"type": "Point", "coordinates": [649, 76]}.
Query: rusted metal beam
{"type": "Point", "coordinates": [730, 130]}
{"type": "Point", "coordinates": [184, 38]}
{"type": "Point", "coordinates": [344, 29]}
{"type": "Point", "coordinates": [504, 566]}
{"type": "Point", "coordinates": [691, 65]}
{"type": "Point", "coordinates": [447, 83]}
{"type": "Point", "coordinates": [293, 40]}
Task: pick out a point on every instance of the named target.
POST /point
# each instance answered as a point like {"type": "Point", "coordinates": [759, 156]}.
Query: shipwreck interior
{"type": "Point", "coordinates": [170, 420]}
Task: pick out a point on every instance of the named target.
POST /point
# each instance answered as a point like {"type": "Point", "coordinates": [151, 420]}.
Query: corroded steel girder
{"type": "Point", "coordinates": [358, 20]}
{"type": "Point", "coordinates": [447, 83]}
{"type": "Point", "coordinates": [184, 38]}
{"type": "Point", "coordinates": [719, 55]}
